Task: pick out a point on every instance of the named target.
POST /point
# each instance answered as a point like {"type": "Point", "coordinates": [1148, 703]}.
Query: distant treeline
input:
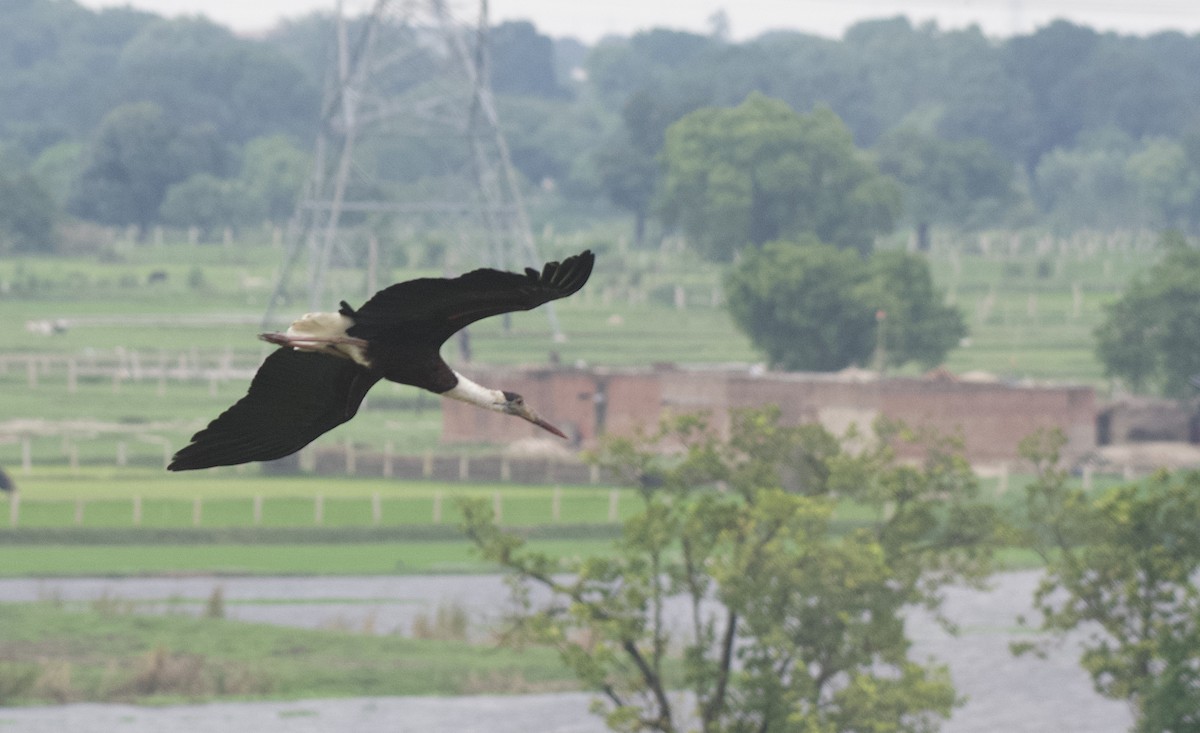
{"type": "Point", "coordinates": [121, 117]}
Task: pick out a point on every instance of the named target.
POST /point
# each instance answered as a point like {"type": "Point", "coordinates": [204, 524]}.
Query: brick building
{"type": "Point", "coordinates": [992, 417]}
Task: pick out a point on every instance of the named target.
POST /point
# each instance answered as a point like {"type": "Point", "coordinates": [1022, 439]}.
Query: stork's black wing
{"type": "Point", "coordinates": [295, 397]}
{"type": "Point", "coordinates": [430, 310]}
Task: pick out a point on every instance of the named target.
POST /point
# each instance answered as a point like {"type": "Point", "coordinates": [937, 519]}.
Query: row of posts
{"type": "Point", "coordinates": [376, 499]}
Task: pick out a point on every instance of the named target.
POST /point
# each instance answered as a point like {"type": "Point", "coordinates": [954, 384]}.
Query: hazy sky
{"type": "Point", "coordinates": [588, 20]}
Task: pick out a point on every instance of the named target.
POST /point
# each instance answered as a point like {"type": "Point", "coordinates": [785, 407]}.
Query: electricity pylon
{"type": "Point", "coordinates": [411, 71]}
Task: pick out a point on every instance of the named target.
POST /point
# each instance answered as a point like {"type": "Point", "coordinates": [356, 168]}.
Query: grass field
{"type": "Point", "coordinates": [55, 653]}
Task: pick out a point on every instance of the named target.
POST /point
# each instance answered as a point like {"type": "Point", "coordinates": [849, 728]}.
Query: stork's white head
{"type": "Point", "coordinates": [510, 403]}
{"type": "Point", "coordinates": [514, 404]}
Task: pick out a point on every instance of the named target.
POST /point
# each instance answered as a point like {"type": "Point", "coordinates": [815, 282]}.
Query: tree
{"type": "Point", "coordinates": [810, 306]}
{"type": "Point", "coordinates": [1150, 336]}
{"type": "Point", "coordinates": [27, 215]}
{"type": "Point", "coordinates": [523, 61]}
{"type": "Point", "coordinates": [960, 183]}
{"type": "Point", "coordinates": [135, 156]}
{"type": "Point", "coordinates": [208, 203]}
{"type": "Point", "coordinates": [759, 172]}
{"type": "Point", "coordinates": [914, 324]}
{"type": "Point", "coordinates": [785, 623]}
{"type": "Point", "coordinates": [1121, 568]}
{"type": "Point", "coordinates": [273, 171]}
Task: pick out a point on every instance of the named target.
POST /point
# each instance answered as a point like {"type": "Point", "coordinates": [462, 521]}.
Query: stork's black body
{"type": "Point", "coordinates": [313, 383]}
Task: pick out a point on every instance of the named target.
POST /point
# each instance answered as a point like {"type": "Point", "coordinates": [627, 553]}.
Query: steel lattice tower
{"type": "Point", "coordinates": [415, 71]}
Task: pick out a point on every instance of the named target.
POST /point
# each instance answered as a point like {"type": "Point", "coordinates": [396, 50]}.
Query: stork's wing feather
{"type": "Point", "coordinates": [295, 397]}
{"type": "Point", "coordinates": [433, 309]}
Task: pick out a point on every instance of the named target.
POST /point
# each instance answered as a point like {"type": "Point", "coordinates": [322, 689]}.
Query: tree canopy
{"type": "Point", "coordinates": [759, 172]}
{"type": "Point", "coordinates": [785, 623]}
{"type": "Point", "coordinates": [1150, 337]}
{"type": "Point", "coordinates": [813, 307]}
{"type": "Point", "coordinates": [1121, 571]}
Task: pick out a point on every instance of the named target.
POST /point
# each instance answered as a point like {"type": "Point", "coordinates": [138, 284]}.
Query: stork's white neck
{"type": "Point", "coordinates": [475, 394]}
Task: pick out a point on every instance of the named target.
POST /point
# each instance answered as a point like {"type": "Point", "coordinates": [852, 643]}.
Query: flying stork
{"type": "Point", "coordinates": [327, 362]}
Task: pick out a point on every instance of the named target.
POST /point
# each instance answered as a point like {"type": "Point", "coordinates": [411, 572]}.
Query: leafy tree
{"type": "Point", "coordinates": [209, 203]}
{"type": "Point", "coordinates": [523, 61]}
{"type": "Point", "coordinates": [959, 183]}
{"type": "Point", "coordinates": [760, 172]}
{"type": "Point", "coordinates": [810, 306]}
{"type": "Point", "coordinates": [785, 624]}
{"type": "Point", "coordinates": [135, 156]}
{"type": "Point", "coordinates": [273, 171]}
{"type": "Point", "coordinates": [914, 324]}
{"type": "Point", "coordinates": [1121, 570]}
{"type": "Point", "coordinates": [27, 215]}
{"type": "Point", "coordinates": [1150, 336]}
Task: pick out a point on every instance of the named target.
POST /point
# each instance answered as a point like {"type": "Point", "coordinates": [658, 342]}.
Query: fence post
{"type": "Point", "coordinates": [614, 497]}
{"type": "Point", "coordinates": [464, 467]}
{"type": "Point", "coordinates": [497, 507]}
{"type": "Point", "coordinates": [197, 511]}
{"type": "Point", "coordinates": [258, 504]}
{"type": "Point", "coordinates": [26, 455]}
{"type": "Point", "coordinates": [376, 509]}
{"type": "Point", "coordinates": [319, 509]}
{"type": "Point", "coordinates": [427, 465]}
{"type": "Point", "coordinates": [437, 507]}
{"type": "Point", "coordinates": [556, 504]}
{"type": "Point", "coordinates": [14, 509]}
{"type": "Point", "coordinates": [137, 511]}
{"type": "Point", "coordinates": [122, 457]}
{"type": "Point", "coordinates": [505, 469]}
{"type": "Point", "coordinates": [594, 474]}
{"type": "Point", "coordinates": [387, 459]}
{"type": "Point", "coordinates": [351, 458]}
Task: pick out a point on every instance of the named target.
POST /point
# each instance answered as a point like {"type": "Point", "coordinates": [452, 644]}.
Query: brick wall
{"type": "Point", "coordinates": [993, 418]}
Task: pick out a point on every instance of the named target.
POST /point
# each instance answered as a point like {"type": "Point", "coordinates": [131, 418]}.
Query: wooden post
{"type": "Point", "coordinates": [351, 458]}
{"type": "Point", "coordinates": [437, 507]}
{"type": "Point", "coordinates": [72, 377]}
{"type": "Point", "coordinates": [258, 506]}
{"type": "Point", "coordinates": [26, 455]}
{"type": "Point", "coordinates": [197, 511]}
{"type": "Point", "coordinates": [594, 474]}
{"type": "Point", "coordinates": [376, 509]}
{"type": "Point", "coordinates": [14, 509]}
{"type": "Point", "coordinates": [122, 456]}
{"type": "Point", "coordinates": [319, 509]}
{"type": "Point", "coordinates": [505, 469]}
{"type": "Point", "coordinates": [388, 469]}
{"type": "Point", "coordinates": [556, 504]}
{"type": "Point", "coordinates": [137, 511]}
{"type": "Point", "coordinates": [464, 467]}
{"type": "Point", "coordinates": [79, 512]}
{"type": "Point", "coordinates": [614, 498]}
{"type": "Point", "coordinates": [1087, 477]}
{"type": "Point", "coordinates": [427, 465]}
{"type": "Point", "coordinates": [497, 507]}
{"type": "Point", "coordinates": [73, 456]}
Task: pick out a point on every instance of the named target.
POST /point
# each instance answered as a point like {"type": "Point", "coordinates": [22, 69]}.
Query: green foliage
{"type": "Point", "coordinates": [27, 216]}
{"type": "Point", "coordinates": [136, 156]}
{"type": "Point", "coordinates": [789, 625]}
{"type": "Point", "coordinates": [963, 183]}
{"type": "Point", "coordinates": [1122, 568]}
{"type": "Point", "coordinates": [209, 203]}
{"type": "Point", "coordinates": [759, 172]}
{"type": "Point", "coordinates": [1151, 336]}
{"type": "Point", "coordinates": [62, 653]}
{"type": "Point", "coordinates": [813, 307]}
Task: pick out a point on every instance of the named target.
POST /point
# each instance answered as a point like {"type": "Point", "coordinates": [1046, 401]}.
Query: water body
{"type": "Point", "coordinates": [1004, 693]}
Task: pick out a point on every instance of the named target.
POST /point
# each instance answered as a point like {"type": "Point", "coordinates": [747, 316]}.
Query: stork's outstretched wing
{"type": "Point", "coordinates": [295, 397]}
{"type": "Point", "coordinates": [430, 310]}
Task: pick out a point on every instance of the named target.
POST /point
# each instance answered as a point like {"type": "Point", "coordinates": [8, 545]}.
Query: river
{"type": "Point", "coordinates": [1004, 693]}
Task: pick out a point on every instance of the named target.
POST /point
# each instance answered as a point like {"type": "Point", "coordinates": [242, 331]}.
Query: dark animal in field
{"type": "Point", "coordinates": [327, 362]}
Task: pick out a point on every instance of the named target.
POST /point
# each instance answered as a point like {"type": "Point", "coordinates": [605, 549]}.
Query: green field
{"type": "Point", "coordinates": [59, 653]}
